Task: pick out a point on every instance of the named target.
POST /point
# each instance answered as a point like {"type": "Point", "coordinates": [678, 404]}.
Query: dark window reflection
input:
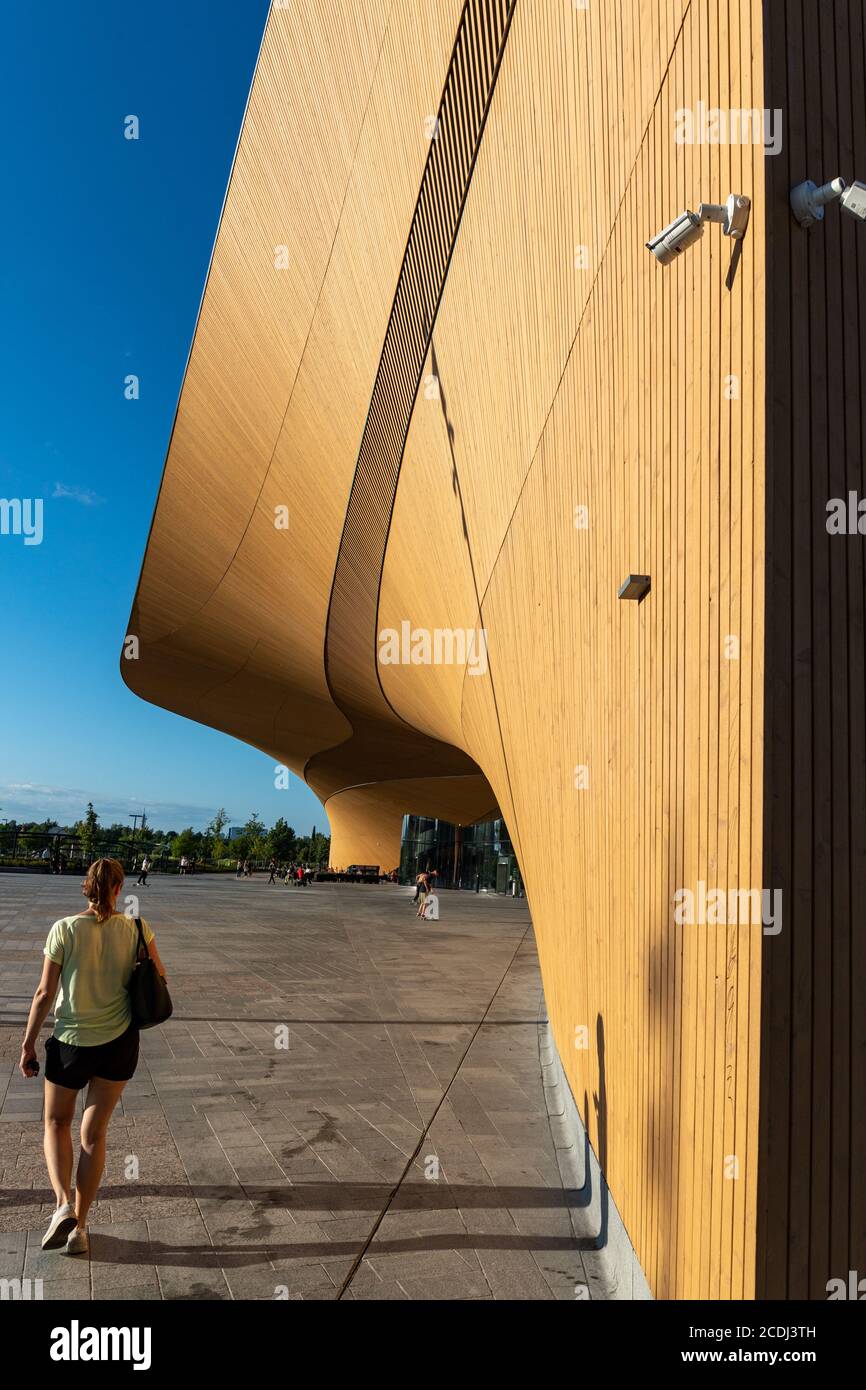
{"type": "Point", "coordinates": [475, 857]}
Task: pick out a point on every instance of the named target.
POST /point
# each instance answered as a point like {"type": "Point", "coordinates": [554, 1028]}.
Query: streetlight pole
{"type": "Point", "coordinates": [135, 819]}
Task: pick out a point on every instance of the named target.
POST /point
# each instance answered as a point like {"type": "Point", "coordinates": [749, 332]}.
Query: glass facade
{"type": "Point", "coordinates": [464, 856]}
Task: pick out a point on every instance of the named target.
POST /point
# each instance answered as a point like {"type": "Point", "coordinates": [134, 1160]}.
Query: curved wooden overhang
{"type": "Point", "coordinates": [269, 633]}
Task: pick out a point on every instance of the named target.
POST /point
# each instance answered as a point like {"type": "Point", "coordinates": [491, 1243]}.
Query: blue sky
{"type": "Point", "coordinates": [104, 249]}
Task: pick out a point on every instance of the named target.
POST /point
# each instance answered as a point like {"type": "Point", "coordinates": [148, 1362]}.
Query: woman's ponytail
{"type": "Point", "coordinates": [103, 878]}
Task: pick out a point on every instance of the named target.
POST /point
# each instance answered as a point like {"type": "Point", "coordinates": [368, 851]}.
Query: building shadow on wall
{"type": "Point", "coordinates": [736, 256]}
{"type": "Point", "coordinates": [661, 1134]}
{"type": "Point", "coordinates": [599, 1105]}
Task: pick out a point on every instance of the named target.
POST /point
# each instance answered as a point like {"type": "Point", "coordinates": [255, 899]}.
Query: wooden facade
{"type": "Point", "coordinates": [483, 404]}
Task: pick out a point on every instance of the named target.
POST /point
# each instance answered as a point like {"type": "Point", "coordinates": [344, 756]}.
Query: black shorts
{"type": "Point", "coordinates": [72, 1067]}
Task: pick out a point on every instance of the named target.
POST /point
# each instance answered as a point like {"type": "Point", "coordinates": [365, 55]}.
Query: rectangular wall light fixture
{"type": "Point", "coordinates": [637, 586]}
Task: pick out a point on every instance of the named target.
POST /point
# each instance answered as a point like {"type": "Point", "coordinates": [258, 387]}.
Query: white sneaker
{"type": "Point", "coordinates": [77, 1244]}
{"type": "Point", "coordinates": [61, 1223]}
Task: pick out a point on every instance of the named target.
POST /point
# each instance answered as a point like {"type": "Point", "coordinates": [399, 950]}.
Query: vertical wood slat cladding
{"type": "Point", "coordinates": [608, 390]}
{"type": "Point", "coordinates": [350, 639]}
{"type": "Point", "coordinates": [381, 745]}
{"type": "Point", "coordinates": [812, 1219]}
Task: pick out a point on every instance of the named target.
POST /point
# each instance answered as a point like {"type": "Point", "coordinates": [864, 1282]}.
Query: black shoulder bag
{"type": "Point", "coordinates": [149, 998]}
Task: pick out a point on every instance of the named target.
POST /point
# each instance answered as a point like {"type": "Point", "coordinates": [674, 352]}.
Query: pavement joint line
{"type": "Point", "coordinates": [360, 1257]}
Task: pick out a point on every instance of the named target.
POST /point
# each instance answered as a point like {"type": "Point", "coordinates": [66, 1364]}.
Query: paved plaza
{"type": "Point", "coordinates": [398, 1148]}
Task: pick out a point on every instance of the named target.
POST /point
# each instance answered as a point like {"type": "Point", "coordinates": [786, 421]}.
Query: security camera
{"type": "Point", "coordinates": [808, 200]}
{"type": "Point", "coordinates": [676, 237]}
{"type": "Point", "coordinates": [853, 200]}
{"type": "Point", "coordinates": [732, 215]}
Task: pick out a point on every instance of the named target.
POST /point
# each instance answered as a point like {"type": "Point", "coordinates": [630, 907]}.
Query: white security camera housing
{"type": "Point", "coordinates": [853, 200]}
{"type": "Point", "coordinates": [733, 217]}
{"type": "Point", "coordinates": [673, 239]}
{"type": "Point", "coordinates": [737, 211]}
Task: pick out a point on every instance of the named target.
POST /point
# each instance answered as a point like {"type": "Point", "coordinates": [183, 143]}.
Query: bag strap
{"type": "Point", "coordinates": [142, 944]}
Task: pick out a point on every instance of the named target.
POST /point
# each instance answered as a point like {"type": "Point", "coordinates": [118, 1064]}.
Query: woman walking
{"type": "Point", "coordinates": [95, 1043]}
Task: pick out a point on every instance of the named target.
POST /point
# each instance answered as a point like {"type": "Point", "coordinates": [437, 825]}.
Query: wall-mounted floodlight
{"type": "Point", "coordinates": [733, 216]}
{"type": "Point", "coordinates": [808, 200]}
{"type": "Point", "coordinates": [637, 586]}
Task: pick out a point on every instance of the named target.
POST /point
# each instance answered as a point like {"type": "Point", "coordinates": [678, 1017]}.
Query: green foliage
{"type": "Point", "coordinates": [34, 836]}
{"type": "Point", "coordinates": [87, 830]}
{"type": "Point", "coordinates": [188, 842]}
{"type": "Point", "coordinates": [214, 833]}
{"type": "Point", "coordinates": [255, 834]}
{"type": "Point", "coordinates": [320, 850]}
{"type": "Point", "coordinates": [314, 849]}
{"type": "Point", "coordinates": [280, 843]}
{"type": "Point", "coordinates": [87, 840]}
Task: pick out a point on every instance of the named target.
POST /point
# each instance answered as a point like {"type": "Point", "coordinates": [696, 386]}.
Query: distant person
{"type": "Point", "coordinates": [184, 864]}
{"type": "Point", "coordinates": [142, 877]}
{"type": "Point", "coordinates": [90, 955]}
{"type": "Point", "coordinates": [239, 870]}
{"type": "Point", "coordinates": [423, 890]}
{"type": "Point", "coordinates": [273, 868]}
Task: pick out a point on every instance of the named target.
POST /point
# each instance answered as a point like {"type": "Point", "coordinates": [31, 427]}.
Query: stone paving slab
{"type": "Point", "coordinates": [398, 1148]}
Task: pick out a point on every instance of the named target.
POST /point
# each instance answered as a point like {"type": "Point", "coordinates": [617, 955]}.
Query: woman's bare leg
{"type": "Point", "coordinates": [57, 1144]}
{"type": "Point", "coordinates": [102, 1096]}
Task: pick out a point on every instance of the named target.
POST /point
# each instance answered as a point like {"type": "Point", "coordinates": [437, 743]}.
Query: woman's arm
{"type": "Point", "coordinates": [39, 1010]}
{"type": "Point", "coordinates": [154, 955]}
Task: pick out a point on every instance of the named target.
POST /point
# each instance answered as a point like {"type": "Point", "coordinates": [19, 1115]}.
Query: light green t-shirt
{"type": "Point", "coordinates": [96, 960]}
